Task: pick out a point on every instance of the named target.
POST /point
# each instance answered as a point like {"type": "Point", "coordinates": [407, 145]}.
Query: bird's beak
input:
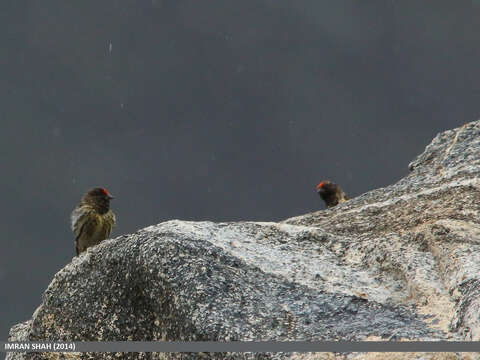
{"type": "Point", "coordinates": [110, 197]}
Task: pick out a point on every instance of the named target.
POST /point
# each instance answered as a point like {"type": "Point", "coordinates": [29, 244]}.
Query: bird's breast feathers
{"type": "Point", "coordinates": [86, 219]}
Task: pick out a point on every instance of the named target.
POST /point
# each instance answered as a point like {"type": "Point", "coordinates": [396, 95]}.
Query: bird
{"type": "Point", "coordinates": [331, 193]}
{"type": "Point", "coordinates": [92, 220]}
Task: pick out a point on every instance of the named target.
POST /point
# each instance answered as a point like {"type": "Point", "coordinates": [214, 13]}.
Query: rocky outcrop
{"type": "Point", "coordinates": [401, 262]}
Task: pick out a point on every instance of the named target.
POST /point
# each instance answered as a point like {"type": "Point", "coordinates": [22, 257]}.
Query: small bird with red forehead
{"type": "Point", "coordinates": [92, 220]}
{"type": "Point", "coordinates": [331, 193]}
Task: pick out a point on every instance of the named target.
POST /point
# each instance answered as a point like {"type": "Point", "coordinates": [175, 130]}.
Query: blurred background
{"type": "Point", "coordinates": [212, 110]}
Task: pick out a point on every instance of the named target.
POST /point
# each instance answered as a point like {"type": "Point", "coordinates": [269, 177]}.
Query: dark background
{"type": "Point", "coordinates": [212, 110]}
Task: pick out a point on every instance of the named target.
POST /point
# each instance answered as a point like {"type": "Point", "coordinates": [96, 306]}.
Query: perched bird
{"type": "Point", "coordinates": [92, 220]}
{"type": "Point", "coordinates": [331, 193]}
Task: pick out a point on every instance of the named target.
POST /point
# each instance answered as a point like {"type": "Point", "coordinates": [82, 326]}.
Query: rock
{"type": "Point", "coordinates": [396, 263]}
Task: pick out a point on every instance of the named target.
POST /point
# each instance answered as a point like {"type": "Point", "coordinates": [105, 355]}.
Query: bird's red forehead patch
{"type": "Point", "coordinates": [105, 192]}
{"type": "Point", "coordinates": [321, 184]}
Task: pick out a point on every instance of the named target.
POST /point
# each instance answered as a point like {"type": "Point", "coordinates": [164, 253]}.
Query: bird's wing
{"type": "Point", "coordinates": [84, 221]}
{"type": "Point", "coordinates": [79, 218]}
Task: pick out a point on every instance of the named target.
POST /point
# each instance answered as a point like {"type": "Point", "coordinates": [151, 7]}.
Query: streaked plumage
{"type": "Point", "coordinates": [92, 220]}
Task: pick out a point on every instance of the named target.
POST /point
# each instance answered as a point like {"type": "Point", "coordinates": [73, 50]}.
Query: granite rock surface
{"type": "Point", "coordinates": [396, 263]}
